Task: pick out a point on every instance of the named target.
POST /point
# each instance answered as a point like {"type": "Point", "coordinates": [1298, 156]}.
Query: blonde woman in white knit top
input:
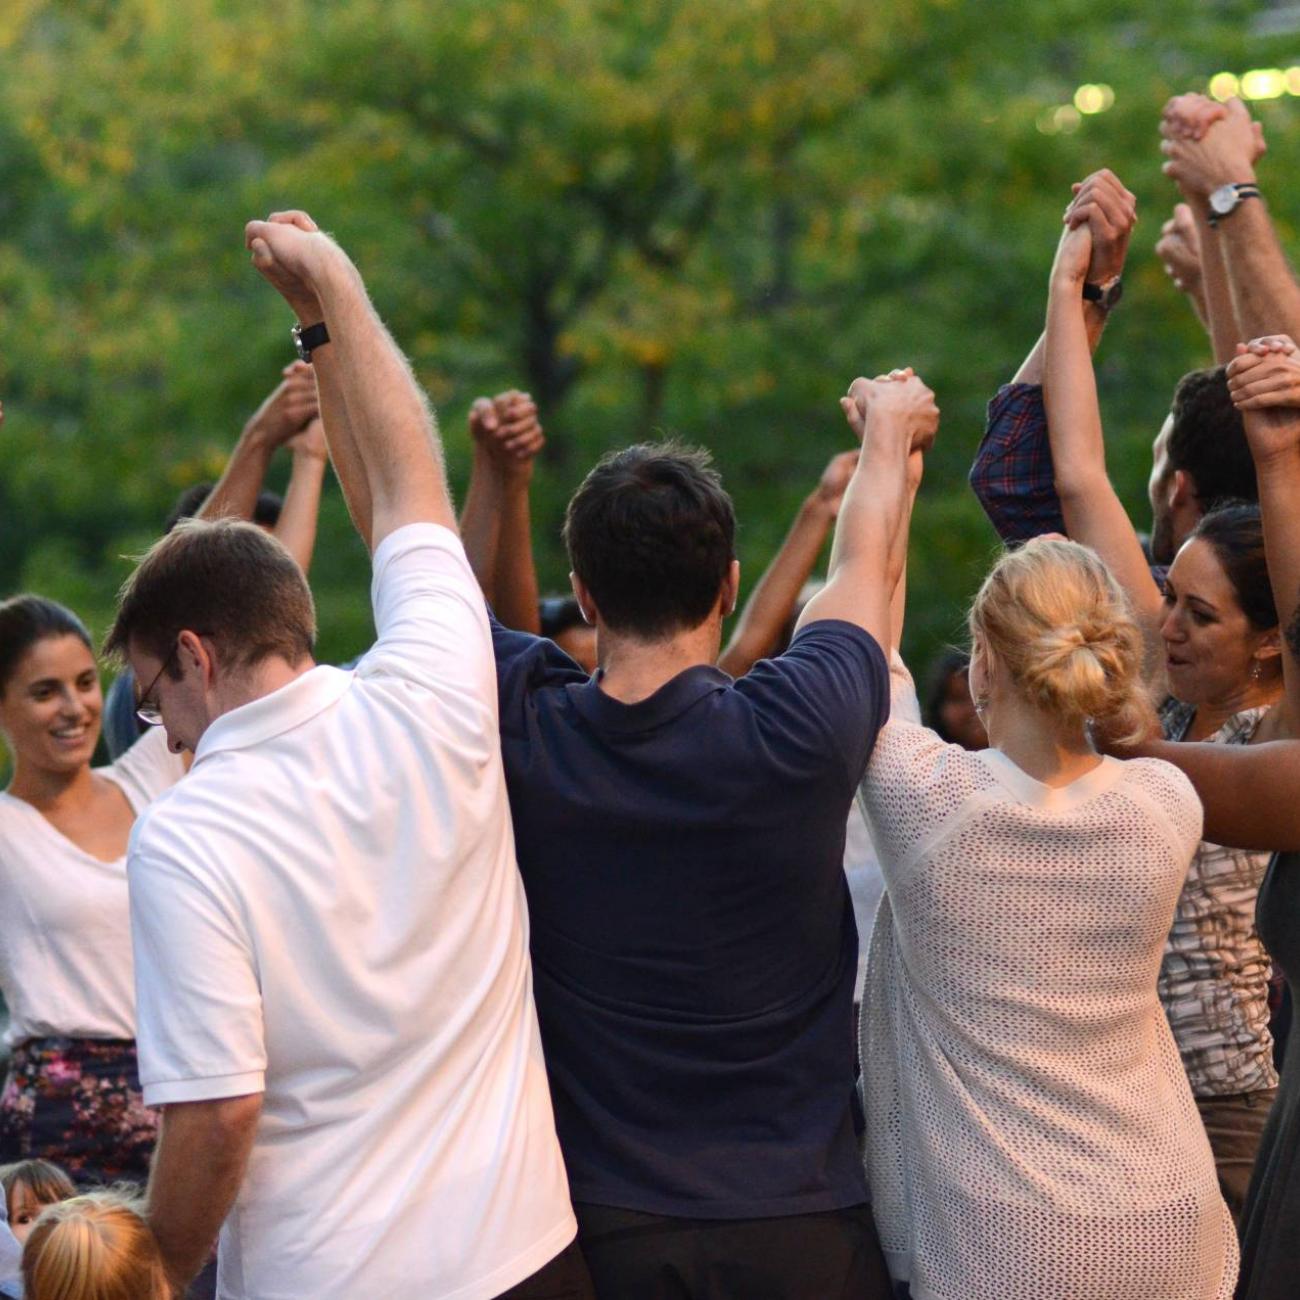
{"type": "Point", "coordinates": [1030, 1131]}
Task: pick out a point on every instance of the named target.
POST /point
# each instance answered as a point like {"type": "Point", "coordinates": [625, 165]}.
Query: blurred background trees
{"type": "Point", "coordinates": [698, 218]}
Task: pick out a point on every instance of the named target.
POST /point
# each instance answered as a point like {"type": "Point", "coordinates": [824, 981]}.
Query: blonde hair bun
{"type": "Point", "coordinates": [1055, 618]}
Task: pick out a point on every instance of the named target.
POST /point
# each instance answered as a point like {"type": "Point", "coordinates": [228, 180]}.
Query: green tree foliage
{"type": "Point", "coordinates": [674, 217]}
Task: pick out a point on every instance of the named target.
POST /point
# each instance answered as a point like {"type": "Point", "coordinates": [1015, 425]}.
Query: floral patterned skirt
{"type": "Point", "coordinates": [77, 1102]}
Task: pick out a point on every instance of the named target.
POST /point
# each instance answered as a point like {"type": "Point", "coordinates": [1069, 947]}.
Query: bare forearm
{"type": "Point", "coordinates": [396, 451]}
{"type": "Point", "coordinates": [298, 518]}
{"type": "Point", "coordinates": [198, 1166]}
{"type": "Point", "coordinates": [1265, 297]}
{"type": "Point", "coordinates": [516, 571]}
{"type": "Point", "coordinates": [1222, 317]}
{"type": "Point", "coordinates": [769, 608]}
{"type": "Point", "coordinates": [1279, 491]}
{"type": "Point", "coordinates": [863, 568]}
{"type": "Point", "coordinates": [480, 524]}
{"type": "Point", "coordinates": [1034, 365]}
{"type": "Point", "coordinates": [235, 495]}
{"type": "Point", "coordinates": [1248, 791]}
{"type": "Point", "coordinates": [1093, 512]}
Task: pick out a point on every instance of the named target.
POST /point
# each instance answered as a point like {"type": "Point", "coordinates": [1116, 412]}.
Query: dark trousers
{"type": "Point", "coordinates": [564, 1278]}
{"type": "Point", "coordinates": [1234, 1126]}
{"type": "Point", "coordinates": [834, 1255]}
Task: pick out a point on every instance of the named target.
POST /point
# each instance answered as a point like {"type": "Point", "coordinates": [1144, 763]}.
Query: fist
{"type": "Point", "coordinates": [506, 427]}
{"type": "Point", "coordinates": [1109, 210]}
{"type": "Point", "coordinates": [292, 253]}
{"type": "Point", "coordinates": [310, 442]}
{"type": "Point", "coordinates": [1074, 256]}
{"type": "Point", "coordinates": [895, 403]}
{"type": "Point", "coordinates": [1179, 250]}
{"type": "Point", "coordinates": [1264, 380]}
{"type": "Point", "coordinates": [291, 404]}
{"type": "Point", "coordinates": [835, 482]}
{"type": "Point", "coordinates": [1265, 372]}
{"type": "Point", "coordinates": [1204, 148]}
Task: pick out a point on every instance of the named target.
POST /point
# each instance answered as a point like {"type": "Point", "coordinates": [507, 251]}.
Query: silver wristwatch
{"type": "Point", "coordinates": [1227, 198]}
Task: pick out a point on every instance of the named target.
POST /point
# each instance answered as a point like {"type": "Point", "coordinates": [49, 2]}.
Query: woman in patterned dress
{"type": "Point", "coordinates": [72, 1094]}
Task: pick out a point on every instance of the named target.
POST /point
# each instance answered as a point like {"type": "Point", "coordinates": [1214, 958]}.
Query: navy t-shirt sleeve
{"type": "Point", "coordinates": [825, 699]}
{"type": "Point", "coordinates": [526, 663]}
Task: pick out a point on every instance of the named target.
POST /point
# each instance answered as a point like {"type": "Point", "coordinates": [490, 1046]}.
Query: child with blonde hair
{"type": "Point", "coordinates": [94, 1247]}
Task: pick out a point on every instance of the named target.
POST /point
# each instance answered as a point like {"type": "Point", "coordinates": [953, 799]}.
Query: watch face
{"type": "Point", "coordinates": [1224, 199]}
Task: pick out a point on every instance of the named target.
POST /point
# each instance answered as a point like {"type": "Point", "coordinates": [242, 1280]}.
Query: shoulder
{"type": "Point", "coordinates": [825, 649]}
{"type": "Point", "coordinates": [1168, 789]}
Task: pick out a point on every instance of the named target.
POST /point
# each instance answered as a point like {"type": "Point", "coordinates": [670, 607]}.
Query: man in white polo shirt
{"type": "Point", "coordinates": [334, 994]}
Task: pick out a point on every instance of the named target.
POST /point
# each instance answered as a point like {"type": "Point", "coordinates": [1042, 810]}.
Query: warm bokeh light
{"type": "Point", "coordinates": [1067, 118]}
{"type": "Point", "coordinates": [1092, 98]}
{"type": "Point", "coordinates": [1224, 85]}
{"type": "Point", "coordinates": [1292, 78]}
{"type": "Point", "coordinates": [1263, 83]}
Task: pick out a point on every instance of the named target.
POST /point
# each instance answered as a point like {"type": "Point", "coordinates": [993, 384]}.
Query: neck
{"type": "Point", "coordinates": [263, 678]}
{"type": "Point", "coordinates": [632, 670]}
{"type": "Point", "coordinates": [1036, 745]}
{"type": "Point", "coordinates": [1212, 714]}
{"type": "Point", "coordinates": [46, 789]}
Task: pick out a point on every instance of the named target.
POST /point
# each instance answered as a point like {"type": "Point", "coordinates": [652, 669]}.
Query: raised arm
{"type": "Point", "coordinates": [1103, 203]}
{"type": "Point", "coordinates": [1264, 380]}
{"type": "Point", "coordinates": [301, 511]}
{"type": "Point", "coordinates": [286, 412]}
{"type": "Point", "coordinates": [1211, 148]}
{"type": "Point", "coordinates": [1189, 250]}
{"type": "Point", "coordinates": [381, 432]}
{"type": "Point", "coordinates": [767, 612]}
{"type": "Point", "coordinates": [495, 523]}
{"type": "Point", "coordinates": [899, 416]}
{"type": "Point", "coordinates": [1093, 512]}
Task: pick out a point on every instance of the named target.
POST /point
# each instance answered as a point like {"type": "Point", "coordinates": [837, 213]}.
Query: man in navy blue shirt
{"type": "Point", "coordinates": [681, 839]}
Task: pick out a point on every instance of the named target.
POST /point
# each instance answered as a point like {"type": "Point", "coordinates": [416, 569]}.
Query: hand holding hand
{"type": "Point", "coordinates": [1179, 250]}
{"type": "Point", "coordinates": [1073, 258]}
{"type": "Point", "coordinates": [292, 253]}
{"type": "Point", "coordinates": [829, 492]}
{"type": "Point", "coordinates": [506, 427]}
{"type": "Point", "coordinates": [1206, 150]}
{"type": "Point", "coordinates": [895, 403]}
{"type": "Point", "coordinates": [1110, 213]}
{"type": "Point", "coordinates": [290, 406]}
{"type": "Point", "coordinates": [1264, 380]}
{"type": "Point", "coordinates": [310, 443]}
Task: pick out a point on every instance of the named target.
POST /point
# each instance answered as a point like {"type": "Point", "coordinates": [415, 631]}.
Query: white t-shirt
{"type": "Point", "coordinates": [65, 930]}
{"type": "Point", "coordinates": [328, 911]}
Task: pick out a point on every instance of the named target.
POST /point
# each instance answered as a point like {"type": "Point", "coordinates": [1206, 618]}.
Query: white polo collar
{"type": "Point", "coordinates": [272, 715]}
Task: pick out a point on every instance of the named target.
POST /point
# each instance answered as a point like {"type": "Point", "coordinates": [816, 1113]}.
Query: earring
{"type": "Point", "coordinates": [1256, 671]}
{"type": "Point", "coordinates": [981, 703]}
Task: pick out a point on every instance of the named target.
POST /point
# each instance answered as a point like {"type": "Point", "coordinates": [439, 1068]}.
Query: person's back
{"type": "Point", "coordinates": [1030, 1130]}
{"type": "Point", "coordinates": [331, 942]}
{"type": "Point", "coordinates": [681, 839]}
{"type": "Point", "coordinates": [692, 938]}
{"type": "Point", "coordinates": [386, 926]}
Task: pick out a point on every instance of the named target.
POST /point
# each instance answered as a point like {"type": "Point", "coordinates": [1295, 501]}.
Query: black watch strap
{"type": "Point", "coordinates": [307, 338]}
{"type": "Point", "coordinates": [1104, 295]}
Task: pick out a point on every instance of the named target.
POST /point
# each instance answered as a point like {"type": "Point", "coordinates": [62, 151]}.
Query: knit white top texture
{"type": "Point", "coordinates": [1031, 1134]}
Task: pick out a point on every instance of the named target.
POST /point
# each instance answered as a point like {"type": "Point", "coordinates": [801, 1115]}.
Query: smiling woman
{"type": "Point", "coordinates": [1224, 669]}
{"type": "Point", "coordinates": [72, 1095]}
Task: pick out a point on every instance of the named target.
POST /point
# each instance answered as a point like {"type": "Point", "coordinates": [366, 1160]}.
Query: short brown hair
{"type": "Point", "coordinates": [227, 580]}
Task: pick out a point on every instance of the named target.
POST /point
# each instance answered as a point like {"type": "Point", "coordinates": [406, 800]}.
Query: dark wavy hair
{"type": "Point", "coordinates": [1208, 440]}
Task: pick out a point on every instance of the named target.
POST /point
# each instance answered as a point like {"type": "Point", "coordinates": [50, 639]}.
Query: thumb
{"type": "Point", "coordinates": [262, 255]}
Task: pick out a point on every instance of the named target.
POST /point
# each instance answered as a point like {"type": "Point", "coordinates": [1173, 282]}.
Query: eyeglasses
{"type": "Point", "coordinates": [147, 710]}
